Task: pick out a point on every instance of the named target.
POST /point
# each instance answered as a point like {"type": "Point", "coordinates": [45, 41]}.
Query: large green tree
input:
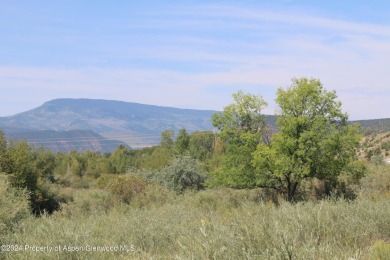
{"type": "Point", "coordinates": [241, 126]}
{"type": "Point", "coordinates": [314, 139]}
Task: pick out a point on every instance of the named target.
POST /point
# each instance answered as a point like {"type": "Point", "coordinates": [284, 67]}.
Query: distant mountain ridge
{"type": "Point", "coordinates": [105, 116]}
{"type": "Point", "coordinates": [136, 124]}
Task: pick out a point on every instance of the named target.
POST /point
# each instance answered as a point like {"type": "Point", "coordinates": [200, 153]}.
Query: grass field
{"type": "Point", "coordinates": [211, 224]}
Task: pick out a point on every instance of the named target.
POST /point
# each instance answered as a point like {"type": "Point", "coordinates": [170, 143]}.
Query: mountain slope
{"type": "Point", "coordinates": [65, 141]}
{"type": "Point", "coordinates": [136, 124]}
{"type": "Point", "coordinates": [375, 125]}
{"type": "Point", "coordinates": [375, 148]}
{"type": "Point", "coordinates": [104, 116]}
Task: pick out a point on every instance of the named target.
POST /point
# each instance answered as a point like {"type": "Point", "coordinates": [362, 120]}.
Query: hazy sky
{"type": "Point", "coordinates": [193, 54]}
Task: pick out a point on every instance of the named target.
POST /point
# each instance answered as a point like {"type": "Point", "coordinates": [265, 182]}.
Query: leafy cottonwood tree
{"type": "Point", "coordinates": [314, 139]}
{"type": "Point", "coordinates": [241, 126]}
{"type": "Point", "coordinates": [182, 141]}
{"type": "Point", "coordinates": [201, 144]}
{"type": "Point", "coordinates": [119, 161]}
{"type": "Point", "coordinates": [45, 163]}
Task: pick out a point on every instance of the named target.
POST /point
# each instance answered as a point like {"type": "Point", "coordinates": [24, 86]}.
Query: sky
{"type": "Point", "coordinates": [193, 54]}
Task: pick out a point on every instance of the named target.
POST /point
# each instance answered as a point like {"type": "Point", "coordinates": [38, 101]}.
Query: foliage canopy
{"type": "Point", "coordinates": [314, 139]}
{"type": "Point", "coordinates": [241, 126]}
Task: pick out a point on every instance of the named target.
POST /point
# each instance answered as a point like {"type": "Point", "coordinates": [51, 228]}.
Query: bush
{"type": "Point", "coordinates": [154, 196]}
{"type": "Point", "coordinates": [14, 206]}
{"type": "Point", "coordinates": [150, 175]}
{"type": "Point", "coordinates": [31, 169]}
{"type": "Point", "coordinates": [379, 159]}
{"type": "Point", "coordinates": [103, 181]}
{"type": "Point", "coordinates": [126, 187]}
{"type": "Point", "coordinates": [65, 194]}
{"type": "Point", "coordinates": [369, 155]}
{"type": "Point", "coordinates": [376, 184]}
{"type": "Point", "coordinates": [386, 146]}
{"type": "Point", "coordinates": [85, 202]}
{"type": "Point", "coordinates": [223, 199]}
{"type": "Point", "coordinates": [181, 174]}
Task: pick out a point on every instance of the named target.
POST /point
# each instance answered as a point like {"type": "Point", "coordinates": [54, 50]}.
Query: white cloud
{"type": "Point", "coordinates": [215, 50]}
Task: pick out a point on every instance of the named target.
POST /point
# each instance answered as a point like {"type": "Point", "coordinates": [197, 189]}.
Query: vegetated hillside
{"type": "Point", "coordinates": [375, 125]}
{"type": "Point", "coordinates": [376, 148]}
{"type": "Point", "coordinates": [65, 141]}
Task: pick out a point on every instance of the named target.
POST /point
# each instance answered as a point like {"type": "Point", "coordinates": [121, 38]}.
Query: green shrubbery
{"type": "Point", "coordinates": [31, 169]}
{"type": "Point", "coordinates": [86, 202]}
{"type": "Point", "coordinates": [14, 207]}
{"type": "Point", "coordinates": [183, 173]}
{"type": "Point", "coordinates": [127, 187]}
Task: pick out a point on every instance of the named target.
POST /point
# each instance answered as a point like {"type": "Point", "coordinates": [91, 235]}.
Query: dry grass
{"type": "Point", "coordinates": [213, 224]}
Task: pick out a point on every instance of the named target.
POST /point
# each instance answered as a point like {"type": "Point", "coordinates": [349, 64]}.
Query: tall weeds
{"type": "Point", "coordinates": [211, 224]}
